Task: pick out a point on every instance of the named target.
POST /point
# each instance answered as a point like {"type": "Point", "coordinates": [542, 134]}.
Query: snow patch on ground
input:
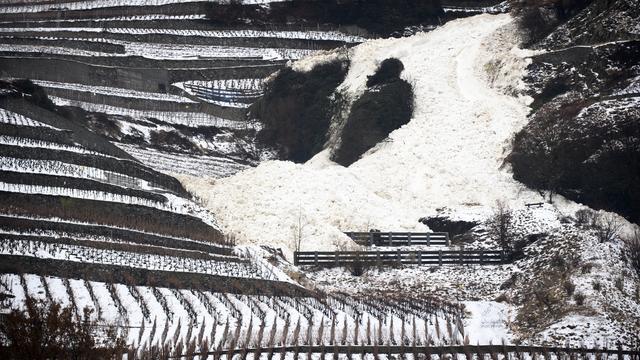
{"type": "Point", "coordinates": [487, 322]}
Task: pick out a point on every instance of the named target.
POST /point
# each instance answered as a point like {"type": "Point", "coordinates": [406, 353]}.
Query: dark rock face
{"type": "Point", "coordinates": [583, 138]}
{"type": "Point", "coordinates": [600, 21]}
{"type": "Point", "coordinates": [296, 110]}
{"type": "Point", "coordinates": [588, 71]}
{"type": "Point", "coordinates": [385, 106]}
{"type": "Point", "coordinates": [389, 71]}
{"type": "Point", "coordinates": [562, 23]}
{"type": "Point", "coordinates": [445, 224]}
{"type": "Point", "coordinates": [587, 151]}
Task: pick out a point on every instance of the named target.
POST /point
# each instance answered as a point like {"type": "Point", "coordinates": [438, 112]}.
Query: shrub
{"type": "Point", "coordinates": [49, 331]}
{"type": "Point", "coordinates": [102, 124]}
{"type": "Point", "coordinates": [619, 283]}
{"type": "Point", "coordinates": [539, 18]}
{"type": "Point", "coordinates": [510, 282]}
{"type": "Point", "coordinates": [579, 298]}
{"type": "Point", "coordinates": [584, 217]}
{"type": "Point", "coordinates": [171, 140]}
{"type": "Point", "coordinates": [632, 247]}
{"type": "Point", "coordinates": [557, 261]}
{"type": "Point", "coordinates": [518, 248]}
{"type": "Point", "coordinates": [597, 285]}
{"type": "Point", "coordinates": [373, 116]}
{"type": "Point", "coordinates": [586, 268]}
{"type": "Point", "coordinates": [569, 287]}
{"type": "Point", "coordinates": [359, 267]}
{"type": "Point", "coordinates": [608, 227]}
{"type": "Point", "coordinates": [534, 24]}
{"type": "Point", "coordinates": [545, 296]}
{"type": "Point", "coordinates": [500, 226]}
{"type": "Point", "coordinates": [531, 238]}
{"type": "Point", "coordinates": [295, 110]}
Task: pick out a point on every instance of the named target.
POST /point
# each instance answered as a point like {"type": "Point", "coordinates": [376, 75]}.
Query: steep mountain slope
{"type": "Point", "coordinates": [448, 161]}
{"type": "Point", "coordinates": [167, 84]}
{"type": "Point", "coordinates": [448, 155]}
{"type": "Point", "coordinates": [89, 216]}
{"type": "Point", "coordinates": [87, 226]}
{"type": "Point", "coordinates": [83, 223]}
{"type": "Point", "coordinates": [582, 138]}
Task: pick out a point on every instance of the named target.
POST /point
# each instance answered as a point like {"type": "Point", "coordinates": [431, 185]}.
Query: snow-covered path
{"type": "Point", "coordinates": [448, 156]}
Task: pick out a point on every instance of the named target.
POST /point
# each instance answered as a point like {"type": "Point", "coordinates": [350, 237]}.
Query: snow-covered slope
{"type": "Point", "coordinates": [448, 160]}
{"type": "Point", "coordinates": [450, 155]}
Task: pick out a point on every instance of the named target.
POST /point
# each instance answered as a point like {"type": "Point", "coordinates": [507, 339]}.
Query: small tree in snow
{"type": "Point", "coordinates": [5, 293]}
{"type": "Point", "coordinates": [585, 217]}
{"type": "Point", "coordinates": [500, 226]}
{"type": "Point", "coordinates": [298, 229]}
{"type": "Point", "coordinates": [608, 227]}
{"type": "Point", "coordinates": [633, 250]}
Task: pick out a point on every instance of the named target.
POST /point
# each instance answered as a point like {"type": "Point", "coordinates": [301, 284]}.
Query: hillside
{"type": "Point", "coordinates": [85, 225]}
{"type": "Point", "coordinates": [585, 110]}
{"type": "Point", "coordinates": [121, 96]}
{"type": "Point", "coordinates": [404, 178]}
{"type": "Point", "coordinates": [160, 80]}
{"type": "Point", "coordinates": [292, 179]}
{"type": "Point", "coordinates": [451, 162]}
{"type": "Point", "coordinates": [81, 219]}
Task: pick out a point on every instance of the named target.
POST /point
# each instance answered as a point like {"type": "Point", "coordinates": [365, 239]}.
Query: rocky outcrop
{"type": "Point", "coordinates": [583, 137]}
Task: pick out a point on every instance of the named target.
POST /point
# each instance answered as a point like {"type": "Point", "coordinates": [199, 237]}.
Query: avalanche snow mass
{"type": "Point", "coordinates": [449, 156]}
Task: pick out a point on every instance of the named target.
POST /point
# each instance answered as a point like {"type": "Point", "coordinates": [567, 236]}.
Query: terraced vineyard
{"type": "Point", "coordinates": [201, 320]}
{"type": "Point", "coordinates": [83, 231]}
{"type": "Point", "coordinates": [122, 95]}
{"type": "Point", "coordinates": [85, 225]}
{"type": "Point", "coordinates": [160, 80]}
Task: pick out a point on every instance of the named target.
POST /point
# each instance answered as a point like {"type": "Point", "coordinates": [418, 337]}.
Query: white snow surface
{"type": "Point", "coordinates": [450, 155]}
{"type": "Point", "coordinates": [488, 322]}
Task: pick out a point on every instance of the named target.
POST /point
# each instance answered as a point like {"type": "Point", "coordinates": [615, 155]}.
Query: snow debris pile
{"type": "Point", "coordinates": [449, 155]}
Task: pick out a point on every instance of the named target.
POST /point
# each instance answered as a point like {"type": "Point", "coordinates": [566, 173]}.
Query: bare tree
{"type": "Point", "coordinates": [5, 293]}
{"type": "Point", "coordinates": [608, 227]}
{"type": "Point", "coordinates": [298, 229]}
{"type": "Point", "coordinates": [584, 217]}
{"type": "Point", "coordinates": [500, 226]}
{"type": "Point", "coordinates": [632, 245]}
